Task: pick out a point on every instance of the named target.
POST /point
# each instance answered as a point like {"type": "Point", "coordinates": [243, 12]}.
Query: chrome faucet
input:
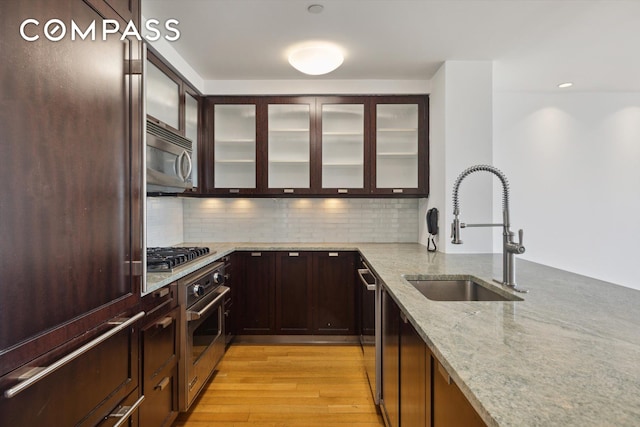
{"type": "Point", "coordinates": [509, 246]}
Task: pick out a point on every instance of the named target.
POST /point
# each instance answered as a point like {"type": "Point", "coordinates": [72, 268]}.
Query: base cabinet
{"type": "Point", "coordinates": [417, 391]}
{"type": "Point", "coordinates": [84, 391]}
{"type": "Point", "coordinates": [295, 293]}
{"type": "Point", "coordinates": [450, 406]}
{"type": "Point", "coordinates": [254, 293]}
{"type": "Point", "coordinates": [390, 399]}
{"type": "Point", "coordinates": [159, 344]}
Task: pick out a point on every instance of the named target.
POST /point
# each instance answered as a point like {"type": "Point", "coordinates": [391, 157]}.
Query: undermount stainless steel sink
{"type": "Point", "coordinates": [459, 290]}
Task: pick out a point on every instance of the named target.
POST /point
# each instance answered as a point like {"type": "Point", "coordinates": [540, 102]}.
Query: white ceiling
{"type": "Point", "coordinates": [535, 44]}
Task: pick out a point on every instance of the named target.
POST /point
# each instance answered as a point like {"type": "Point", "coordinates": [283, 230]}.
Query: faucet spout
{"type": "Point", "coordinates": [509, 246]}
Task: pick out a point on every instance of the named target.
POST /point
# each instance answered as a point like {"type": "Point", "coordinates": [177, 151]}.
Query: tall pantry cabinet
{"type": "Point", "coordinates": [70, 216]}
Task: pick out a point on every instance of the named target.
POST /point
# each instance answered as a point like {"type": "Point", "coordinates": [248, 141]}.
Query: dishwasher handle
{"type": "Point", "coordinates": [368, 285]}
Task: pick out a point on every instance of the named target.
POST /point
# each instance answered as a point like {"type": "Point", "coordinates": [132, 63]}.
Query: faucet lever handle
{"type": "Point", "coordinates": [520, 236]}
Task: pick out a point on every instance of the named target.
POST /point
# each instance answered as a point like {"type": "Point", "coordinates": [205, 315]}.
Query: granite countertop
{"type": "Point", "coordinates": [568, 355]}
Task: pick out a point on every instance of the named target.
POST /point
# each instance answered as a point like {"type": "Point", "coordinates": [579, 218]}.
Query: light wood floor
{"type": "Point", "coordinates": [283, 385]}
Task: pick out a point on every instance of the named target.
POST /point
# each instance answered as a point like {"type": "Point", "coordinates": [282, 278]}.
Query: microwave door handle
{"type": "Point", "coordinates": [188, 157]}
{"type": "Point", "coordinates": [177, 166]}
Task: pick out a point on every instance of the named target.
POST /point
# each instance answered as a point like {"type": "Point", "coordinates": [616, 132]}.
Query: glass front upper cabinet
{"type": "Point", "coordinates": [343, 147]}
{"type": "Point", "coordinates": [397, 142]}
{"type": "Point", "coordinates": [162, 96]}
{"type": "Point", "coordinates": [235, 147]}
{"type": "Point", "coordinates": [289, 147]}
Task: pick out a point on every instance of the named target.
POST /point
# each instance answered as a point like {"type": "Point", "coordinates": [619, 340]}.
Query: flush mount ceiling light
{"type": "Point", "coordinates": [316, 58]}
{"type": "Point", "coordinates": [565, 85]}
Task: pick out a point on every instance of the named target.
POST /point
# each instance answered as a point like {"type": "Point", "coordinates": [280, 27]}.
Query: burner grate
{"type": "Point", "coordinates": [165, 259]}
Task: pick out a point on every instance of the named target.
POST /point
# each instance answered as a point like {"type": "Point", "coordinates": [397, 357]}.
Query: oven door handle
{"type": "Point", "coordinates": [369, 286]}
{"type": "Point", "coordinates": [195, 315]}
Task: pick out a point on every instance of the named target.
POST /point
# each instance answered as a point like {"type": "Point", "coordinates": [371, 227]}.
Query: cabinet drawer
{"type": "Point", "coordinates": [159, 343]}
{"type": "Point", "coordinates": [126, 412]}
{"type": "Point", "coordinates": [160, 407]}
{"type": "Point", "coordinates": [81, 392]}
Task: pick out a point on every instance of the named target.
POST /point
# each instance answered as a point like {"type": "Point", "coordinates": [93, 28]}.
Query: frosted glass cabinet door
{"type": "Point", "coordinates": [289, 146]}
{"type": "Point", "coordinates": [191, 132]}
{"type": "Point", "coordinates": [235, 146]}
{"type": "Point", "coordinates": [163, 96]}
{"type": "Point", "coordinates": [397, 146]}
{"type": "Point", "coordinates": [343, 146]}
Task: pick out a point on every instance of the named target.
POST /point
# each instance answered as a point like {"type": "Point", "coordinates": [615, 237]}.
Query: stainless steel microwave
{"type": "Point", "coordinates": [168, 158]}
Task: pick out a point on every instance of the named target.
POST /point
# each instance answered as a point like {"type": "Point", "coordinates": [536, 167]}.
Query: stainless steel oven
{"type": "Point", "coordinates": [371, 328]}
{"type": "Point", "coordinates": [202, 300]}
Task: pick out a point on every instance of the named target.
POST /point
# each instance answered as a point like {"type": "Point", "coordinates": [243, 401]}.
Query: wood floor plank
{"type": "Point", "coordinates": [286, 385]}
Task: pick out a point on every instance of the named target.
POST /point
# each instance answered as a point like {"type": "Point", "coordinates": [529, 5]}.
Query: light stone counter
{"type": "Point", "coordinates": [568, 355]}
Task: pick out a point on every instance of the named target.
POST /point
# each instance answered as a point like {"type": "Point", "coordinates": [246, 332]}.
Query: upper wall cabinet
{"type": "Point", "coordinates": [163, 96]}
{"type": "Point", "coordinates": [400, 154]}
{"type": "Point", "coordinates": [173, 104]}
{"type": "Point", "coordinates": [309, 146]}
{"type": "Point", "coordinates": [290, 138]}
{"type": "Point", "coordinates": [343, 151]}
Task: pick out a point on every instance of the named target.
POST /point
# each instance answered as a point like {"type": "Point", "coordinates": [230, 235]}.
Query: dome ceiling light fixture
{"type": "Point", "coordinates": [315, 58]}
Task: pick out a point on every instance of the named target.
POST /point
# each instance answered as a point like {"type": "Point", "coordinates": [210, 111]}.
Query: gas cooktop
{"type": "Point", "coordinates": [167, 259]}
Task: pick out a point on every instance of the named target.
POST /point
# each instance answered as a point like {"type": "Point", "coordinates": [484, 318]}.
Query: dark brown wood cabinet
{"type": "Point", "coordinates": [390, 397]}
{"type": "Point", "coordinates": [334, 293]}
{"type": "Point", "coordinates": [71, 162]}
{"type": "Point", "coordinates": [294, 303]}
{"type": "Point", "coordinates": [417, 391]}
{"type": "Point", "coordinates": [254, 293]}
{"type": "Point", "coordinates": [415, 377]}
{"type": "Point", "coordinates": [316, 145]}
{"type": "Point", "coordinates": [295, 293]}
{"type": "Point", "coordinates": [159, 346]}
{"type": "Point", "coordinates": [450, 406]}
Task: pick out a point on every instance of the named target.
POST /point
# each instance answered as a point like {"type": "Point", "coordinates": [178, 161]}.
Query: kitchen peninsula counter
{"type": "Point", "coordinates": [568, 355]}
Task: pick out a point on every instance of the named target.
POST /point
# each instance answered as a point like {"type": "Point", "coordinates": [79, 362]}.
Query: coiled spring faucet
{"type": "Point", "coordinates": [509, 247]}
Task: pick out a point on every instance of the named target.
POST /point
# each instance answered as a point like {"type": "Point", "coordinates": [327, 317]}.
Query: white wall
{"type": "Point", "coordinates": [461, 136]}
{"type": "Point", "coordinates": [573, 161]}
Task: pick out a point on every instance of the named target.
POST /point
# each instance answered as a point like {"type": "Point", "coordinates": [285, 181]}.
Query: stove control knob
{"type": "Point", "coordinates": [218, 278]}
{"type": "Point", "coordinates": [198, 290]}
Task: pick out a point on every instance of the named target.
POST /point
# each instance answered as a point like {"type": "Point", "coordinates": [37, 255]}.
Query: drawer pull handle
{"type": "Point", "coordinates": [164, 322]}
{"type": "Point", "coordinates": [21, 386]}
{"type": "Point", "coordinates": [125, 412]}
{"type": "Point", "coordinates": [256, 253]}
{"type": "Point", "coordinates": [161, 293]}
{"type": "Point", "coordinates": [163, 384]}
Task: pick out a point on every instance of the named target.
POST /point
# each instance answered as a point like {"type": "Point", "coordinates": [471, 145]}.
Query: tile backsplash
{"type": "Point", "coordinates": [174, 220]}
{"type": "Point", "coordinates": [165, 219]}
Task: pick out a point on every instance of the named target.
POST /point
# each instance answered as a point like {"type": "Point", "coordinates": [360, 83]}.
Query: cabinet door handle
{"type": "Point", "coordinates": [334, 254]}
{"type": "Point", "coordinates": [21, 386]}
{"type": "Point", "coordinates": [294, 254]}
{"type": "Point", "coordinates": [256, 253]}
{"type": "Point", "coordinates": [398, 190]}
{"type": "Point", "coordinates": [163, 384]}
{"type": "Point", "coordinates": [234, 190]}
{"type": "Point", "coordinates": [342, 191]}
{"type": "Point", "coordinates": [444, 373]}
{"type": "Point", "coordinates": [125, 412]}
{"type": "Point", "coordinates": [164, 322]}
{"type": "Point", "coordinates": [288, 190]}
